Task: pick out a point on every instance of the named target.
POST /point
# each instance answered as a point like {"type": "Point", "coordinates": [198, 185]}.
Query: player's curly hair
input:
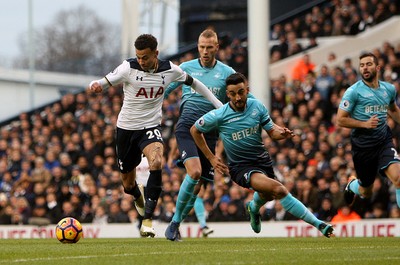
{"type": "Point", "coordinates": [145, 41]}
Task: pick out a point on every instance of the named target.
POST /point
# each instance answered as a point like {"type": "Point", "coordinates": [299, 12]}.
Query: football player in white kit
{"type": "Point", "coordinates": [138, 131]}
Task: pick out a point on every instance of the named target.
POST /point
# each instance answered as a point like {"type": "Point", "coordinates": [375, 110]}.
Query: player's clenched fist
{"type": "Point", "coordinates": [95, 87]}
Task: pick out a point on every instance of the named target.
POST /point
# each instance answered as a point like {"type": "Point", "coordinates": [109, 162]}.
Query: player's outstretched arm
{"type": "Point", "coordinates": [205, 92]}
{"type": "Point", "coordinates": [98, 86]}
{"type": "Point", "coordinates": [95, 86]}
{"type": "Point", "coordinates": [116, 77]}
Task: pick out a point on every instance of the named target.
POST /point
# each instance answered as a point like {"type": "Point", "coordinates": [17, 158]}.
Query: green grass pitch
{"type": "Point", "coordinates": [208, 251]}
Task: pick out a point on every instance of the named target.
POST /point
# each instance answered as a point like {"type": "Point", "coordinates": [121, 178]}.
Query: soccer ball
{"type": "Point", "coordinates": [69, 230]}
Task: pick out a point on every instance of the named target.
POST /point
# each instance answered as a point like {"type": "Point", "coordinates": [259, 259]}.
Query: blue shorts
{"type": "Point", "coordinates": [369, 162]}
{"type": "Point", "coordinates": [188, 149]}
{"type": "Point", "coordinates": [130, 145]}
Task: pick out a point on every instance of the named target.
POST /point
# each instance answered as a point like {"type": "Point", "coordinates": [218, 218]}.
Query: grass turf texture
{"type": "Point", "coordinates": [203, 251]}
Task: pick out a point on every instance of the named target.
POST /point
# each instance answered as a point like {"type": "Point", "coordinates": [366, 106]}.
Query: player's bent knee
{"type": "Point", "coordinates": [155, 161]}
{"type": "Point", "coordinates": [156, 164]}
{"type": "Point", "coordinates": [195, 175]}
{"type": "Point", "coordinates": [194, 172]}
{"type": "Point", "coordinates": [279, 191]}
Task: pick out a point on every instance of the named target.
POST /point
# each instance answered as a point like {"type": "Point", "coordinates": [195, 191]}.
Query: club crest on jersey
{"type": "Point", "coordinates": [346, 104]}
{"type": "Point", "coordinates": [254, 113]}
{"type": "Point", "coordinates": [246, 176]}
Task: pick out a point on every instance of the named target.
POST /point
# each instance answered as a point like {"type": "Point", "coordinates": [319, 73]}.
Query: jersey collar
{"type": "Point", "coordinates": [207, 67]}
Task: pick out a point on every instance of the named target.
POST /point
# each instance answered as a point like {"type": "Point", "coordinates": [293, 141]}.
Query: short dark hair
{"type": "Point", "coordinates": [369, 54]}
{"type": "Point", "coordinates": [235, 79]}
{"type": "Point", "coordinates": [145, 41]}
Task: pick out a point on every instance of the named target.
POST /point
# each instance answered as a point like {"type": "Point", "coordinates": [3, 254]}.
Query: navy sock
{"type": "Point", "coordinates": [153, 191]}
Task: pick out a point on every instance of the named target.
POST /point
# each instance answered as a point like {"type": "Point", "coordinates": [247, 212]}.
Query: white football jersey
{"type": "Point", "coordinates": [143, 92]}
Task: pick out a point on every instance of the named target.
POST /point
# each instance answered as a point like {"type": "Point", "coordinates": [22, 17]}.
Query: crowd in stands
{"type": "Point", "coordinates": [60, 161]}
{"type": "Point", "coordinates": [335, 18]}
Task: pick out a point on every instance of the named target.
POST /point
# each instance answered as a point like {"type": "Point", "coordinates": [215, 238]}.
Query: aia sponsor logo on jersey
{"type": "Point", "coordinates": [152, 92]}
